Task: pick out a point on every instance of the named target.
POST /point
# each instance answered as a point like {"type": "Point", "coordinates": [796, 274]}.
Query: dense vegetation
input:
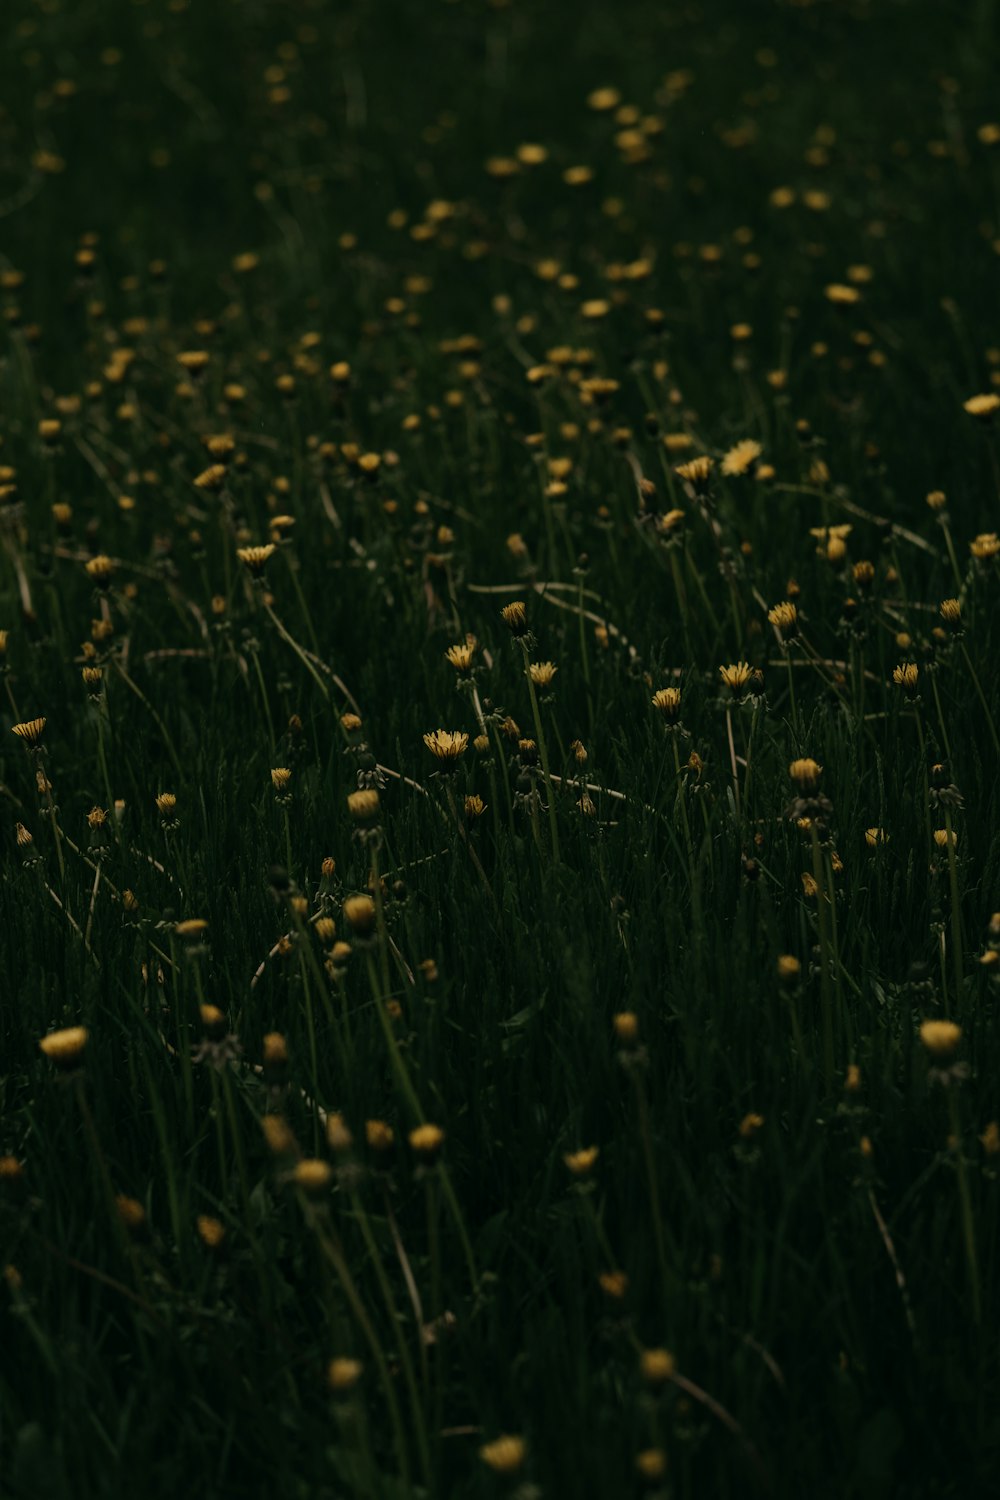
{"type": "Point", "coordinates": [499, 755]}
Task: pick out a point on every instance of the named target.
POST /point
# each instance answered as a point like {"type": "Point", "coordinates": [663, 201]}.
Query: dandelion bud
{"type": "Point", "coordinates": [806, 773]}
{"type": "Point", "coordinates": [515, 617]}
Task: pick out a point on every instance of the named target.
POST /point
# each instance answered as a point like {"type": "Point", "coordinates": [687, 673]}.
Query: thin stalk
{"type": "Point", "coordinates": [957, 954]}
{"type": "Point", "coordinates": [965, 1201]}
{"type": "Point", "coordinates": [543, 756]}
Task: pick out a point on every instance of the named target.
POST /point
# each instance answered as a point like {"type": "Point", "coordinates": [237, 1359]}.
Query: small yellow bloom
{"type": "Point", "coordinates": [447, 745]}
{"type": "Point", "coordinates": [343, 1374]}
{"type": "Point", "coordinates": [736, 675]}
{"type": "Point", "coordinates": [983, 407]}
{"type": "Point", "coordinates": [504, 1455]}
{"type": "Point", "coordinates": [940, 1037]}
{"type": "Point", "coordinates": [581, 1162]}
{"type": "Point", "coordinates": [542, 673]}
{"type": "Point", "coordinates": [805, 772]}
{"type": "Point", "coordinates": [65, 1048]}
{"type": "Point", "coordinates": [740, 459]}
{"type": "Point", "coordinates": [426, 1140]}
{"type": "Point", "coordinates": [657, 1366]}
{"type": "Point", "coordinates": [30, 732]}
{"type": "Point", "coordinates": [254, 559]}
{"type": "Point", "coordinates": [668, 701]}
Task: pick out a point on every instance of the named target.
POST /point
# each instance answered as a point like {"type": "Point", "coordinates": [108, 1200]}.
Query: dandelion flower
{"type": "Point", "coordinates": [736, 676]}
{"type": "Point", "coordinates": [940, 1037]}
{"type": "Point", "coordinates": [740, 459]}
{"type": "Point", "coordinates": [504, 1455]}
{"type": "Point", "coordinates": [65, 1048]}
{"type": "Point", "coordinates": [447, 745]}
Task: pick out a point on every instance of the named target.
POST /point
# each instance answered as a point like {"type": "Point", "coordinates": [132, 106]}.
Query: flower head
{"type": "Point", "coordinates": [983, 407]}
{"type": "Point", "coordinates": [65, 1048]}
{"type": "Point", "coordinates": [30, 732]}
{"type": "Point", "coordinates": [504, 1455]}
{"type": "Point", "coordinates": [515, 617]}
{"type": "Point", "coordinates": [254, 559]}
{"type": "Point", "coordinates": [805, 772]}
{"type": "Point", "coordinates": [740, 459]}
{"type": "Point", "coordinates": [785, 619]}
{"type": "Point", "coordinates": [447, 745]}
{"type": "Point", "coordinates": [940, 1037]}
{"type": "Point", "coordinates": [542, 673]}
{"type": "Point", "coordinates": [668, 702]}
{"type": "Point", "coordinates": [736, 676]}
{"type": "Point", "coordinates": [461, 656]}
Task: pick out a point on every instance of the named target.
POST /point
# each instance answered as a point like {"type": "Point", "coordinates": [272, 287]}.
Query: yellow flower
{"type": "Point", "coordinates": [446, 745]}
{"type": "Point", "coordinates": [343, 1374]}
{"type": "Point", "coordinates": [985, 545]}
{"type": "Point", "coordinates": [651, 1464]}
{"type": "Point", "coordinates": [785, 619]}
{"type": "Point", "coordinates": [983, 407]}
{"type": "Point", "coordinates": [504, 1455]}
{"type": "Point", "coordinates": [363, 805]}
{"type": "Point", "coordinates": [515, 617]}
{"type": "Point", "coordinates": [668, 701]}
{"type": "Point", "coordinates": [280, 777]}
{"type": "Point", "coordinates": [191, 927]}
{"type": "Point", "coordinates": [474, 807]}
{"type": "Point", "coordinates": [951, 612]}
{"type": "Point", "coordinates": [940, 1037]}
{"type": "Point", "coordinates": [657, 1365]}
{"type": "Point", "coordinates": [805, 772]}
{"type": "Point", "coordinates": [426, 1140]}
{"type": "Point", "coordinates": [841, 295]}
{"type": "Point", "coordinates": [736, 675]}
{"type": "Point", "coordinates": [379, 1135]}
{"type": "Point", "coordinates": [695, 472]}
{"type": "Point", "coordinates": [30, 732]}
{"type": "Point", "coordinates": [211, 1232]}
{"type": "Point", "coordinates": [581, 1162]}
{"type": "Point", "coordinates": [740, 459]}
{"type": "Point", "coordinates": [943, 838]}
{"type": "Point", "coordinates": [875, 836]}
{"type": "Point", "coordinates": [906, 676]}
{"type": "Point", "coordinates": [749, 1125]}
{"type": "Point", "coordinates": [277, 1134]}
{"type": "Point", "coordinates": [359, 913]}
{"type": "Point", "coordinates": [789, 968]}
{"type": "Point", "coordinates": [542, 673]}
{"type": "Point", "coordinates": [461, 656]}
{"type": "Point", "coordinates": [65, 1048]}
{"type": "Point", "coordinates": [100, 569]}
{"type": "Point", "coordinates": [312, 1175]}
{"type": "Point", "coordinates": [254, 559]}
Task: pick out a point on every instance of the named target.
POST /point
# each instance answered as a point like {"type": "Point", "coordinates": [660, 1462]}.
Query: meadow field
{"type": "Point", "coordinates": [499, 749]}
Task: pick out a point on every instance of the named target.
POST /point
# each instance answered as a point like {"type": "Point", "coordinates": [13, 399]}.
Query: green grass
{"type": "Point", "coordinates": [801, 1197]}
